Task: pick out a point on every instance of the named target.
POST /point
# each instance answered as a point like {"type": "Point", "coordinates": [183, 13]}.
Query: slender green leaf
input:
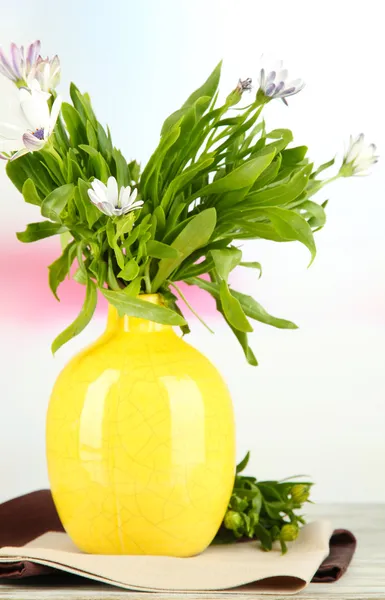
{"type": "Point", "coordinates": [232, 309]}
{"type": "Point", "coordinates": [59, 269]}
{"type": "Point", "coordinates": [208, 90]}
{"type": "Point", "coordinates": [226, 260]}
{"type": "Point", "coordinates": [130, 270]}
{"type": "Point", "coordinates": [251, 307]}
{"type": "Point", "coordinates": [242, 177]}
{"type": "Point", "coordinates": [39, 231]}
{"type": "Point", "coordinates": [252, 265]}
{"type": "Point", "coordinates": [195, 235]}
{"type": "Point", "coordinates": [81, 320]}
{"type": "Point", "coordinates": [159, 250]}
{"type": "Point", "coordinates": [75, 126]}
{"type": "Point", "coordinates": [243, 464]}
{"type": "Point", "coordinates": [135, 307]}
{"type": "Point", "coordinates": [278, 195]}
{"type": "Point", "coordinates": [30, 194]}
{"type": "Point", "coordinates": [291, 226]}
{"type": "Point", "coordinates": [56, 201]}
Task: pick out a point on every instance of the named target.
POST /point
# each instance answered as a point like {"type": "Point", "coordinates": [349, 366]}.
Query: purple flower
{"type": "Point", "coordinates": [274, 82]}
{"type": "Point", "coordinates": [20, 65]}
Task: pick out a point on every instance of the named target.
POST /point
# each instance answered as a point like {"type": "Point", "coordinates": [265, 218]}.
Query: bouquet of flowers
{"type": "Point", "coordinates": [219, 175]}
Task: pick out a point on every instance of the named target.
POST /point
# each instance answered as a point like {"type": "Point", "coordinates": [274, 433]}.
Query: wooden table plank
{"type": "Point", "coordinates": [364, 580]}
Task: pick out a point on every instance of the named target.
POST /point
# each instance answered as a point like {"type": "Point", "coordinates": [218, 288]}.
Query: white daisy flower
{"type": "Point", "coordinates": [110, 200]}
{"type": "Point", "coordinates": [47, 72]}
{"type": "Point", "coordinates": [20, 65]}
{"type": "Point", "coordinates": [30, 124]}
{"type": "Point", "coordinates": [274, 82]}
{"type": "Point", "coordinates": [359, 157]}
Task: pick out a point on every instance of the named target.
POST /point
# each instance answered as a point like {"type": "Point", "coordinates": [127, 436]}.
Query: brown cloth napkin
{"type": "Point", "coordinates": [27, 517]}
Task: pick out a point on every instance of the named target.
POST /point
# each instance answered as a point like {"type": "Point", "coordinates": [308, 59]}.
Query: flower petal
{"type": "Point", "coordinates": [32, 53]}
{"type": "Point", "coordinates": [112, 191]}
{"type": "Point", "coordinates": [17, 57]}
{"type": "Point", "coordinates": [54, 113]}
{"type": "Point", "coordinates": [31, 142]}
{"type": "Point", "coordinates": [100, 189]}
{"type": "Point", "coordinates": [5, 66]}
{"type": "Point", "coordinates": [35, 108]}
{"type": "Point", "coordinates": [10, 132]}
{"type": "Point", "coordinates": [19, 153]}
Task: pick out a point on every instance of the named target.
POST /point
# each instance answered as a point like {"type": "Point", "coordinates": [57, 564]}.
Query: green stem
{"type": "Point", "coordinates": [187, 303]}
{"type": "Point", "coordinates": [334, 178]}
{"type": "Point", "coordinates": [146, 277]}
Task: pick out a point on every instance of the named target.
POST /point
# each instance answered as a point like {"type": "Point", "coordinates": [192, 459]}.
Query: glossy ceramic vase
{"type": "Point", "coordinates": [140, 443]}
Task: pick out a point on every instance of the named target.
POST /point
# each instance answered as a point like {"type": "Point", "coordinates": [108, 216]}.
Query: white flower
{"type": "Point", "coordinates": [359, 157]}
{"type": "Point", "coordinates": [47, 72]}
{"type": "Point", "coordinates": [110, 200]}
{"type": "Point", "coordinates": [31, 123]}
{"type": "Point", "coordinates": [18, 68]}
{"type": "Point", "coordinates": [274, 82]}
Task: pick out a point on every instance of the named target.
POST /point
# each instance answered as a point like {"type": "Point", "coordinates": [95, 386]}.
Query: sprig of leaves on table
{"type": "Point", "coordinates": [263, 510]}
{"type": "Point", "coordinates": [216, 177]}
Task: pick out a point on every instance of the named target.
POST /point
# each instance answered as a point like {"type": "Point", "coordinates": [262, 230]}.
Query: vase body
{"type": "Point", "coordinates": [140, 443]}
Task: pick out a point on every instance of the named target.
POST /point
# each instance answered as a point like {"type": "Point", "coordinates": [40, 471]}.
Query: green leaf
{"type": "Point", "coordinates": [264, 537]}
{"type": "Point", "coordinates": [39, 231]}
{"type": "Point", "coordinates": [130, 270]}
{"type": "Point", "coordinates": [30, 194]}
{"type": "Point", "coordinates": [243, 464]}
{"type": "Point", "coordinates": [226, 260]}
{"type": "Point", "coordinates": [104, 142]}
{"type": "Point", "coordinates": [232, 309]}
{"type": "Point", "coordinates": [81, 320]}
{"type": "Point", "coordinates": [59, 269]}
{"type": "Point", "coordinates": [195, 235]}
{"type": "Point", "coordinates": [208, 89]}
{"type": "Point", "coordinates": [251, 307]}
{"type": "Point", "coordinates": [30, 166]}
{"type": "Point", "coordinates": [315, 212]}
{"type": "Point", "coordinates": [292, 156]}
{"type": "Point", "coordinates": [92, 213]}
{"type": "Point", "coordinates": [124, 225]}
{"type": "Point", "coordinates": [166, 141]}
{"type": "Point", "coordinates": [56, 201]}
{"type": "Point", "coordinates": [91, 136]}
{"type": "Point", "coordinates": [74, 123]}
{"type": "Point", "coordinates": [241, 177]}
{"type": "Point", "coordinates": [183, 179]}
{"type": "Point", "coordinates": [291, 226]}
{"type": "Point", "coordinates": [122, 170]}
{"type": "Point", "coordinates": [82, 104]}
{"type": "Point", "coordinates": [142, 309]}
{"type": "Point", "coordinates": [133, 288]}
{"type": "Point", "coordinates": [244, 342]}
{"type": "Point", "coordinates": [252, 265]}
{"type": "Point", "coordinates": [160, 250]}
{"type": "Point", "coordinates": [278, 195]}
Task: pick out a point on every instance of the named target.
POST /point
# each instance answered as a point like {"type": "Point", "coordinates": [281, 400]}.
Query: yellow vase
{"type": "Point", "coordinates": [140, 443]}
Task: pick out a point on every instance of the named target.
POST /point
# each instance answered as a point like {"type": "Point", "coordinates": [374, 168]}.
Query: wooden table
{"type": "Point", "coordinates": [364, 580]}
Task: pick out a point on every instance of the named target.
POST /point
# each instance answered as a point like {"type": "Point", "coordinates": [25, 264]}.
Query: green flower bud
{"type": "Point", "coordinates": [289, 532]}
{"type": "Point", "coordinates": [233, 520]}
{"type": "Point", "coordinates": [300, 493]}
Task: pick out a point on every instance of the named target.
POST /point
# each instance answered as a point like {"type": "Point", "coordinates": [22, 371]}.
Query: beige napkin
{"type": "Point", "coordinates": [236, 568]}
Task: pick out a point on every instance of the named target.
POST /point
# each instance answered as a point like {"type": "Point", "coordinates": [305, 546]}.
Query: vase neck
{"type": "Point", "coordinates": [127, 324]}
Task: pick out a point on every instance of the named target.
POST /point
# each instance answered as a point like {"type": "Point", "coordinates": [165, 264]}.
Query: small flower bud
{"type": "Point", "coordinates": [289, 532]}
{"type": "Point", "coordinates": [233, 520]}
{"type": "Point", "coordinates": [300, 493]}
